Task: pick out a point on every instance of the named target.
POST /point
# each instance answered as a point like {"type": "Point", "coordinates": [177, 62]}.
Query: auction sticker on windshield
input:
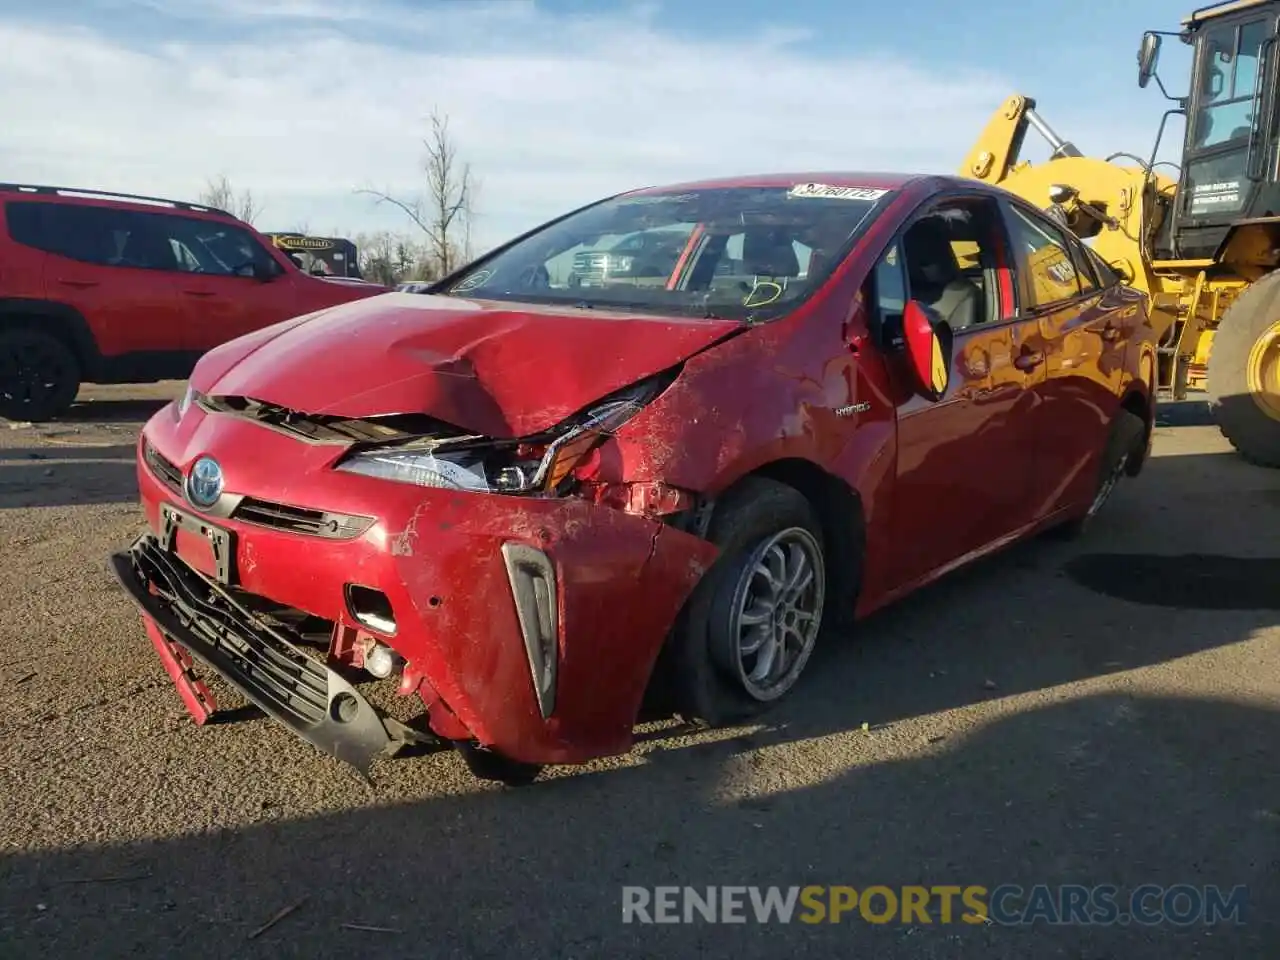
{"type": "Point", "coordinates": [827, 191]}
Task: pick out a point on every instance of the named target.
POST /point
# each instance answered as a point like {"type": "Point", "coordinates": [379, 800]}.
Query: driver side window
{"type": "Point", "coordinates": [946, 260]}
{"type": "Point", "coordinates": [950, 263]}
{"type": "Point", "coordinates": [215, 248]}
{"type": "Point", "coordinates": [889, 283]}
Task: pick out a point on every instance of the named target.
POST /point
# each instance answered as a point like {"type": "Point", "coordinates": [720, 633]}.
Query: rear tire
{"type": "Point", "coordinates": [1124, 443]}
{"type": "Point", "coordinates": [747, 632]}
{"type": "Point", "coordinates": [39, 375]}
{"type": "Point", "coordinates": [1237, 405]}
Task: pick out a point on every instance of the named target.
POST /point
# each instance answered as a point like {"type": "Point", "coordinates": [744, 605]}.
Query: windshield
{"type": "Point", "coordinates": [747, 253]}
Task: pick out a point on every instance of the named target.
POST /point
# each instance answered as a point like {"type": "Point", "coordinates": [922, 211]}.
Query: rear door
{"type": "Point", "coordinates": [964, 462]}
{"type": "Point", "coordinates": [227, 282]}
{"type": "Point", "coordinates": [103, 262]}
{"type": "Point", "coordinates": [1078, 339]}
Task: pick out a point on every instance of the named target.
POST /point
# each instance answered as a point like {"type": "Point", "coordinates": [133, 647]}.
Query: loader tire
{"type": "Point", "coordinates": [1248, 414]}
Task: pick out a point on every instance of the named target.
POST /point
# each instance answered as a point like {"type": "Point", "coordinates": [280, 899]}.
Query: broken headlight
{"type": "Point", "coordinates": [426, 468]}
{"type": "Point", "coordinates": [532, 465]}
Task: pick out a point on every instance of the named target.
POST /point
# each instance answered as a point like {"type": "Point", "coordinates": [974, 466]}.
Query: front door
{"type": "Point", "coordinates": [227, 281]}
{"type": "Point", "coordinates": [963, 462]}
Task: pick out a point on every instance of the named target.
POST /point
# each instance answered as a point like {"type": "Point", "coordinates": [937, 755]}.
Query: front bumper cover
{"type": "Point", "coordinates": [291, 687]}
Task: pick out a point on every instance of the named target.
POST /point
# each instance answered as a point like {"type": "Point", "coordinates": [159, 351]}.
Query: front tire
{"type": "Point", "coordinates": [39, 375]}
{"type": "Point", "coordinates": [1244, 373]}
{"type": "Point", "coordinates": [751, 625]}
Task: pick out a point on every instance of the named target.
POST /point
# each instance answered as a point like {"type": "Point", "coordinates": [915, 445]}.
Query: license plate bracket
{"type": "Point", "coordinates": [174, 523]}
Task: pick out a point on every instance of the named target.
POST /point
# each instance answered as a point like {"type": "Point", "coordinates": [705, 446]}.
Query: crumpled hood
{"type": "Point", "coordinates": [497, 369]}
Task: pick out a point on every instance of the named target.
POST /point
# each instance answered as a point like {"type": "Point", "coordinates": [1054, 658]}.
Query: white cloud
{"type": "Point", "coordinates": [303, 102]}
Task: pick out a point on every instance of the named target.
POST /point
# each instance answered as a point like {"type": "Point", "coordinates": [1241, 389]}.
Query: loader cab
{"type": "Point", "coordinates": [1229, 157]}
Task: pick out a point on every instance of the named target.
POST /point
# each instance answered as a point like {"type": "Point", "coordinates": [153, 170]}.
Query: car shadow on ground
{"type": "Point", "coordinates": [1122, 790]}
{"type": "Point", "coordinates": [58, 475]}
{"type": "Point", "coordinates": [1184, 413]}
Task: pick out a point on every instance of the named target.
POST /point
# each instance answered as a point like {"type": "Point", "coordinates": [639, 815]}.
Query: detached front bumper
{"type": "Point", "coordinates": [189, 613]}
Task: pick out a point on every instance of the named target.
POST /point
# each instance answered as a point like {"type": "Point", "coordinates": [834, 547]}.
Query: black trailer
{"type": "Point", "coordinates": [327, 256]}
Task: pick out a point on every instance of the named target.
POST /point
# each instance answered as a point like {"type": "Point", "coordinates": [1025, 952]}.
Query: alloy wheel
{"type": "Point", "coordinates": [1108, 486]}
{"type": "Point", "coordinates": [774, 615]}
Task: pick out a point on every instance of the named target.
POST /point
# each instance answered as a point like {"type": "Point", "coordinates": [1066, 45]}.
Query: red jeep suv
{"type": "Point", "coordinates": [100, 287]}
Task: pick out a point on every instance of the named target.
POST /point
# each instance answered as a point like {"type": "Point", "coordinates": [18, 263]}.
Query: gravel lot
{"type": "Point", "coordinates": [1098, 712]}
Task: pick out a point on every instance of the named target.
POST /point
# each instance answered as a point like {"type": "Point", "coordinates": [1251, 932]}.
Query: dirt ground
{"type": "Point", "coordinates": [1101, 712]}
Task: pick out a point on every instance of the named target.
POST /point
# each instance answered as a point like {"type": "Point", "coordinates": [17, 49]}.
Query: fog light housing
{"type": "Point", "coordinates": [533, 588]}
{"type": "Point", "coordinates": [380, 660]}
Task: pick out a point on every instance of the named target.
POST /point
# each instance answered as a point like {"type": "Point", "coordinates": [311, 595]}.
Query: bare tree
{"type": "Point", "coordinates": [444, 215]}
{"type": "Point", "coordinates": [390, 258]}
{"type": "Point", "coordinates": [219, 193]}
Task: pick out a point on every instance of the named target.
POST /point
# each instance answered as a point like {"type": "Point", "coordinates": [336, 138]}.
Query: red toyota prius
{"type": "Point", "coordinates": [653, 451]}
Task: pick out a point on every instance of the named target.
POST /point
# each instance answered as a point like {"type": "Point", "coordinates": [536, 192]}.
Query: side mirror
{"type": "Point", "coordinates": [1148, 56]}
{"type": "Point", "coordinates": [928, 343]}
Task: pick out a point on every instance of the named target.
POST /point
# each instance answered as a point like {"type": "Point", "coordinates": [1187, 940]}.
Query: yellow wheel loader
{"type": "Point", "coordinates": [1204, 240]}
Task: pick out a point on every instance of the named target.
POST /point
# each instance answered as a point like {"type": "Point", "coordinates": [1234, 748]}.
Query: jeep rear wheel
{"type": "Point", "coordinates": [39, 375]}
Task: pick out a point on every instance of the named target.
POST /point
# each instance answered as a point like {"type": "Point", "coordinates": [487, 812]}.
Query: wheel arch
{"type": "Point", "coordinates": [840, 515]}
{"type": "Point", "coordinates": [1137, 401]}
{"type": "Point", "coordinates": [64, 321]}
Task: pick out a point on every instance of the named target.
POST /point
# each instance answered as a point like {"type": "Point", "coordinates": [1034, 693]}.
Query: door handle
{"type": "Point", "coordinates": [198, 293]}
{"type": "Point", "coordinates": [78, 284]}
{"type": "Point", "coordinates": [1028, 359]}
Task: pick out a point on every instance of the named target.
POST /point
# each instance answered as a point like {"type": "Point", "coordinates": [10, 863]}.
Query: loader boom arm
{"type": "Point", "coordinates": [997, 150]}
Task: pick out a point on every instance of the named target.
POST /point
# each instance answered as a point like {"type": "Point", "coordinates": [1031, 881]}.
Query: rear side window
{"type": "Point", "coordinates": [1083, 265]}
{"type": "Point", "coordinates": [98, 235]}
{"type": "Point", "coordinates": [23, 222]}
{"type": "Point", "coordinates": [1107, 275]}
{"type": "Point", "coordinates": [1050, 273]}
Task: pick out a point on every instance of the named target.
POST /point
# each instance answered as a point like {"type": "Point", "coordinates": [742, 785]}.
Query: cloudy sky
{"type": "Point", "coordinates": [553, 102]}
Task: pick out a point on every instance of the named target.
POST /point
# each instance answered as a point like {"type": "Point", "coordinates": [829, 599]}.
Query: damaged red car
{"type": "Point", "coordinates": [653, 451]}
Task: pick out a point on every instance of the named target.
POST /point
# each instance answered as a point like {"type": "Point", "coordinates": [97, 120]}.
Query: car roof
{"type": "Point", "coordinates": [875, 180]}
{"type": "Point", "coordinates": [83, 196]}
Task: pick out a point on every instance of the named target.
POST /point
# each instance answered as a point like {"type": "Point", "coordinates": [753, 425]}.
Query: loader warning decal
{"type": "Point", "coordinates": [826, 191]}
{"type": "Point", "coordinates": [1209, 198]}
